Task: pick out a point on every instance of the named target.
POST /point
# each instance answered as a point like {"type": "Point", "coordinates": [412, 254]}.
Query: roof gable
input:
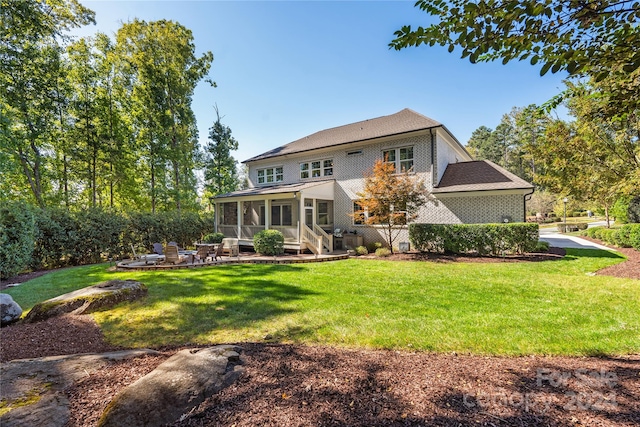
{"type": "Point", "coordinates": [395, 124]}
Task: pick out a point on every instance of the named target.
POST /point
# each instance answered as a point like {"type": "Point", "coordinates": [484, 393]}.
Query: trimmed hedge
{"type": "Point", "coordinates": [64, 238]}
{"type": "Point", "coordinates": [17, 237]}
{"type": "Point", "coordinates": [269, 242]}
{"type": "Point", "coordinates": [627, 236]}
{"type": "Point", "coordinates": [484, 239]}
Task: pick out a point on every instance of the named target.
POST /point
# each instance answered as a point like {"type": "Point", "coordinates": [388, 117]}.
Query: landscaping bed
{"type": "Point", "coordinates": [298, 385]}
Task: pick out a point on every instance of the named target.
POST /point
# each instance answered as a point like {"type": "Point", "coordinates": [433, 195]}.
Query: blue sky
{"type": "Point", "coordinates": [286, 69]}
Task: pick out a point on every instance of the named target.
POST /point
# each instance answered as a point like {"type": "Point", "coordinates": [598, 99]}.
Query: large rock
{"type": "Point", "coordinates": [10, 311]}
{"type": "Point", "coordinates": [174, 388]}
{"type": "Point", "coordinates": [86, 300]}
{"type": "Point", "coordinates": [33, 390]}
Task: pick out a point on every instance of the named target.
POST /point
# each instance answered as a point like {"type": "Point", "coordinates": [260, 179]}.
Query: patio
{"type": "Point", "coordinates": [241, 258]}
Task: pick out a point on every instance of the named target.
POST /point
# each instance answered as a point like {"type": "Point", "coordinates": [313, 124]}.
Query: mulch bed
{"type": "Point", "coordinates": [296, 385]}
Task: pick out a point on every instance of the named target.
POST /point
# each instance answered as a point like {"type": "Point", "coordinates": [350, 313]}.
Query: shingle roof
{"type": "Point", "coordinates": [478, 175]}
{"type": "Point", "coordinates": [395, 124]}
{"type": "Point", "coordinates": [273, 189]}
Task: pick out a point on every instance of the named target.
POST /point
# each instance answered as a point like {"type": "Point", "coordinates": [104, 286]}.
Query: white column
{"type": "Point", "coordinates": [267, 213]}
{"type": "Point", "coordinates": [239, 207]}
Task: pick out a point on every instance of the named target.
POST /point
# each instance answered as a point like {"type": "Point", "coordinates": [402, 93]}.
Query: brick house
{"type": "Point", "coordinates": [307, 189]}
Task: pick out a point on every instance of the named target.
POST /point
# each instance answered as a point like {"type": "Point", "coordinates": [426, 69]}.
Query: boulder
{"type": "Point", "coordinates": [175, 387]}
{"type": "Point", "coordinates": [10, 311]}
{"type": "Point", "coordinates": [33, 390]}
{"type": "Point", "coordinates": [85, 300]}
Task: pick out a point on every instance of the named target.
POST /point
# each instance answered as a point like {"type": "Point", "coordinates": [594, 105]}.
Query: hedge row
{"type": "Point", "coordinates": [627, 236]}
{"type": "Point", "coordinates": [484, 239]}
{"type": "Point", "coordinates": [35, 238]}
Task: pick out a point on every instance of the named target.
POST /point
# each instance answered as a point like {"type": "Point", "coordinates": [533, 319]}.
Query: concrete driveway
{"type": "Point", "coordinates": [559, 240]}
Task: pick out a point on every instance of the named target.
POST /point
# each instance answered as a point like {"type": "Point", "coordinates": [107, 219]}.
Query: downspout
{"type": "Point", "coordinates": [526, 197]}
{"type": "Point", "coordinates": [433, 160]}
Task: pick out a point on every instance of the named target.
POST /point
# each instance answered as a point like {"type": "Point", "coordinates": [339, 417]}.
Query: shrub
{"type": "Point", "coordinates": [269, 242]}
{"type": "Point", "coordinates": [213, 238]}
{"type": "Point", "coordinates": [634, 236]}
{"type": "Point", "coordinates": [383, 252]}
{"type": "Point", "coordinates": [362, 250]}
{"type": "Point", "coordinates": [542, 246]}
{"type": "Point", "coordinates": [371, 247]}
{"type": "Point", "coordinates": [17, 238]}
{"type": "Point", "coordinates": [492, 239]}
{"type": "Point", "coordinates": [54, 238]}
{"type": "Point", "coordinates": [97, 236]}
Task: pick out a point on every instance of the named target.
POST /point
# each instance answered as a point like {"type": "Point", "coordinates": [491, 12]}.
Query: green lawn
{"type": "Point", "coordinates": [553, 307]}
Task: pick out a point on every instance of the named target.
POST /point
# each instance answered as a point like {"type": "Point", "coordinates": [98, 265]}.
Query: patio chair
{"type": "Point", "coordinates": [218, 252]}
{"type": "Point", "coordinates": [171, 255]}
{"type": "Point", "coordinates": [135, 255]}
{"type": "Point", "coordinates": [157, 248]}
{"type": "Point", "coordinates": [230, 246]}
{"type": "Point", "coordinates": [203, 253]}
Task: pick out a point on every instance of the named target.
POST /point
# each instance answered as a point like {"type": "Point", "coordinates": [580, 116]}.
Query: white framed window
{"type": "Point", "coordinates": [316, 169]}
{"type": "Point", "coordinates": [401, 158]}
{"type": "Point", "coordinates": [359, 214]}
{"type": "Point", "coordinates": [270, 175]}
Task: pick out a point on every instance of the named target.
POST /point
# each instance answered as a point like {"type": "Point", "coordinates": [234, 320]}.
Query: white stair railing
{"type": "Point", "coordinates": [315, 241]}
{"type": "Point", "coordinates": [327, 239]}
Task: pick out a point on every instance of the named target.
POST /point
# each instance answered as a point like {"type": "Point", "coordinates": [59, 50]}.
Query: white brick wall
{"type": "Point", "coordinates": [348, 171]}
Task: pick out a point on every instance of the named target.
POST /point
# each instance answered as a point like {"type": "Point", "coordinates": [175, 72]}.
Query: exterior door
{"type": "Point", "coordinates": [308, 213]}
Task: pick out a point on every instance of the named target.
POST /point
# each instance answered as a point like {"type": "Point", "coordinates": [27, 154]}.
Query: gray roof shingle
{"type": "Point", "coordinates": [395, 124]}
{"type": "Point", "coordinates": [478, 175]}
{"type": "Point", "coordinates": [273, 189]}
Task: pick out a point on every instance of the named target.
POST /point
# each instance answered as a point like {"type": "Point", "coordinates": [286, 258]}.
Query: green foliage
{"type": "Point", "coordinates": [361, 250]}
{"type": "Point", "coordinates": [55, 238]}
{"type": "Point", "coordinates": [565, 36]}
{"type": "Point", "coordinates": [213, 238]}
{"type": "Point", "coordinates": [620, 209]}
{"type": "Point", "coordinates": [541, 246]}
{"type": "Point", "coordinates": [17, 237]}
{"type": "Point", "coordinates": [627, 236]}
{"type": "Point", "coordinates": [269, 242]}
{"type": "Point", "coordinates": [371, 247]}
{"type": "Point", "coordinates": [484, 239]}
{"type": "Point", "coordinates": [220, 168]}
{"type": "Point", "coordinates": [383, 252]}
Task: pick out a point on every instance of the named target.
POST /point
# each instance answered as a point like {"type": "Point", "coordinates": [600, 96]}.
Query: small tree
{"type": "Point", "coordinates": [390, 199]}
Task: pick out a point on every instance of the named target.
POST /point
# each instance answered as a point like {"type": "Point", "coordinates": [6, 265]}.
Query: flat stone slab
{"type": "Point", "coordinates": [85, 300]}
{"type": "Point", "coordinates": [32, 390]}
{"type": "Point", "coordinates": [175, 387]}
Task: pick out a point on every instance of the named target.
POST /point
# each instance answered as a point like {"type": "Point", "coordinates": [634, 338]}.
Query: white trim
{"type": "Point", "coordinates": [476, 193]}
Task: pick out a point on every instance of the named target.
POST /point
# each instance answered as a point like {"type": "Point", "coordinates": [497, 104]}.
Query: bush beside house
{"type": "Point", "coordinates": [269, 242]}
{"type": "Point", "coordinates": [484, 239]}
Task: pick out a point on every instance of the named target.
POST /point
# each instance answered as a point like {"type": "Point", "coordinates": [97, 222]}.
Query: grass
{"type": "Point", "coordinates": [554, 307]}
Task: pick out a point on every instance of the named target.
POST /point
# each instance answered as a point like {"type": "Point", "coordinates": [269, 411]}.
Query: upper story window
{"type": "Point", "coordinates": [401, 158]}
{"type": "Point", "coordinates": [316, 169]}
{"type": "Point", "coordinates": [270, 175]}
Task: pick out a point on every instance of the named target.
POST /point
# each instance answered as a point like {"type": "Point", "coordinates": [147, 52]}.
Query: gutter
{"type": "Point", "coordinates": [526, 197]}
